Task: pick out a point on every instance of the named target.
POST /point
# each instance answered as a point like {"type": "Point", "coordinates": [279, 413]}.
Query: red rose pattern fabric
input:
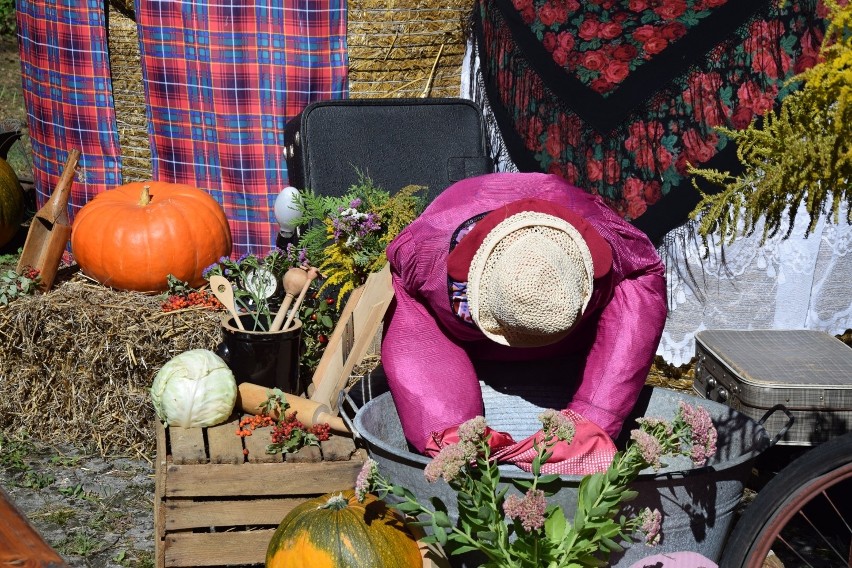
{"type": "Point", "coordinates": [620, 97]}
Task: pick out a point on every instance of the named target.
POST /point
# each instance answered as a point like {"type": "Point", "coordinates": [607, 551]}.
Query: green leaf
{"type": "Point", "coordinates": [629, 495]}
{"type": "Point", "coordinates": [611, 545]}
{"type": "Point", "coordinates": [556, 525]}
{"type": "Point", "coordinates": [441, 535]}
{"type": "Point", "coordinates": [408, 507]}
{"type": "Point", "coordinates": [598, 511]}
{"type": "Point", "coordinates": [442, 519]}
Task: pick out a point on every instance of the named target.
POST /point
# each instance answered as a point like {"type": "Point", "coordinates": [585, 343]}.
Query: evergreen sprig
{"type": "Point", "coordinates": [801, 154]}
{"type": "Point", "coordinates": [345, 236]}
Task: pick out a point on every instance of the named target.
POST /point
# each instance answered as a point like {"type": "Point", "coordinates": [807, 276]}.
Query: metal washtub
{"type": "Point", "coordinates": [697, 504]}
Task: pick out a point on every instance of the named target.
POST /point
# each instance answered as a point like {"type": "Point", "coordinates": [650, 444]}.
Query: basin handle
{"type": "Point", "coordinates": [343, 396]}
{"type": "Point", "coordinates": [785, 428]}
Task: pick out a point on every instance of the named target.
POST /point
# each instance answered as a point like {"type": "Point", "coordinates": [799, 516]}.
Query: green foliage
{"type": "Point", "coordinates": [7, 18]}
{"type": "Point", "coordinates": [14, 285]}
{"type": "Point", "coordinates": [345, 237]}
{"type": "Point", "coordinates": [525, 532]}
{"type": "Point", "coordinates": [319, 317]}
{"type": "Point", "coordinates": [801, 154]}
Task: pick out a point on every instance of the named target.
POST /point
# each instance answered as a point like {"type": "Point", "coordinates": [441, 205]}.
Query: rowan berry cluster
{"type": "Point", "coordinates": [30, 272]}
{"type": "Point", "coordinates": [249, 424]}
{"type": "Point", "coordinates": [200, 298]}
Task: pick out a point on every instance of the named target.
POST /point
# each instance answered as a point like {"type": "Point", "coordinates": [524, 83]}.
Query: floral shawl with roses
{"type": "Point", "coordinates": [619, 96]}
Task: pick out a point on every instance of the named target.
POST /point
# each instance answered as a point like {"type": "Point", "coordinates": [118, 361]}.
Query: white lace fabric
{"type": "Point", "coordinates": [794, 283]}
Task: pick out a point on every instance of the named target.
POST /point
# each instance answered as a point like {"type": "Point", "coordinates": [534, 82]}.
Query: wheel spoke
{"type": "Point", "coordinates": [821, 534]}
{"type": "Point", "coordinates": [795, 551]}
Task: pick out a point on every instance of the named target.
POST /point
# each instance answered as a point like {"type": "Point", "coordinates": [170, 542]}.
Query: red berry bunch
{"type": "Point", "coordinates": [290, 427]}
{"type": "Point", "coordinates": [30, 272]}
{"type": "Point", "coordinates": [200, 298]}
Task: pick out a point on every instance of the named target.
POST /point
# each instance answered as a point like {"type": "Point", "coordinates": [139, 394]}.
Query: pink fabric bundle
{"type": "Point", "coordinates": [590, 451]}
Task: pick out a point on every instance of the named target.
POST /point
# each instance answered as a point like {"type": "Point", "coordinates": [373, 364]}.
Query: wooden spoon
{"type": "Point", "coordinates": [311, 276]}
{"type": "Point", "coordinates": [223, 291]}
{"type": "Point", "coordinates": [294, 279]}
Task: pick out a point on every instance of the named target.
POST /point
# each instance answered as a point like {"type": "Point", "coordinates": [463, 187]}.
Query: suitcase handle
{"type": "Point", "coordinates": [785, 428]}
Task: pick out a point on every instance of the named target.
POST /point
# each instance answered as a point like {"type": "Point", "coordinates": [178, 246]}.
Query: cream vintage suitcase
{"type": "Point", "coordinates": [809, 372]}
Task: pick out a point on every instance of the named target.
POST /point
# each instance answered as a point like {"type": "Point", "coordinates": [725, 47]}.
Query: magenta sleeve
{"type": "Point", "coordinates": [431, 377]}
{"type": "Point", "coordinates": [617, 366]}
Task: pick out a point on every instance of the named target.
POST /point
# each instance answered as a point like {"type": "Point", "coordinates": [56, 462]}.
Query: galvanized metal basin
{"type": "Point", "coordinates": [698, 504]}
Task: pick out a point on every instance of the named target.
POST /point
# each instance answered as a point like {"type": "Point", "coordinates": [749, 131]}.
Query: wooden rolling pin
{"type": "Point", "coordinates": [251, 396]}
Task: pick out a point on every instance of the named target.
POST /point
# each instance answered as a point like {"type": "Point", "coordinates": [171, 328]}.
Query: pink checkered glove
{"type": "Point", "coordinates": [438, 440]}
{"type": "Point", "coordinates": [590, 451]}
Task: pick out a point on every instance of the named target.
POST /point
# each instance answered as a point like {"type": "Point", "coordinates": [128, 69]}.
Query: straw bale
{"type": "Point", "coordinates": [129, 97]}
{"type": "Point", "coordinates": [77, 363]}
{"type": "Point", "coordinates": [406, 48]}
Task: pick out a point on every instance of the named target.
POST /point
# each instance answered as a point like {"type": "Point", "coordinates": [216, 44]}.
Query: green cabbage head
{"type": "Point", "coordinates": [194, 389]}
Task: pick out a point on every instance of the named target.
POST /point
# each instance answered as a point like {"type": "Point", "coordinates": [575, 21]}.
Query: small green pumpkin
{"type": "Point", "coordinates": [11, 203]}
{"type": "Point", "coordinates": [336, 531]}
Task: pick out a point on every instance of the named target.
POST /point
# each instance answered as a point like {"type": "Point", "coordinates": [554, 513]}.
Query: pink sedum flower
{"type": "Point", "coordinates": [473, 430]}
{"type": "Point", "coordinates": [651, 525]}
{"type": "Point", "coordinates": [703, 432]}
{"type": "Point", "coordinates": [649, 447]}
{"type": "Point", "coordinates": [450, 462]}
{"type": "Point", "coordinates": [529, 509]}
{"type": "Point", "coordinates": [556, 424]}
{"type": "Point", "coordinates": [363, 483]}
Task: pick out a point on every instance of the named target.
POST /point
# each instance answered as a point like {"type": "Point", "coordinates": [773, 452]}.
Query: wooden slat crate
{"type": "Point", "coordinates": [217, 506]}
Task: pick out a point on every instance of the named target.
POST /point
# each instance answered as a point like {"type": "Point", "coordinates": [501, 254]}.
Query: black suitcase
{"type": "Point", "coordinates": [432, 142]}
{"type": "Point", "coordinates": [808, 371]}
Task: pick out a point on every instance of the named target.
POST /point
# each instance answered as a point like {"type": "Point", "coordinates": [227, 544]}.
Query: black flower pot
{"type": "Point", "coordinates": [269, 359]}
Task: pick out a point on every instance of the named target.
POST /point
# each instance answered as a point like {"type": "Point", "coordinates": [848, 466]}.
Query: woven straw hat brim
{"type": "Point", "coordinates": [480, 265]}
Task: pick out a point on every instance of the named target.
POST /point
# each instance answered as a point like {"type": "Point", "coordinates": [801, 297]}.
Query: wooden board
{"type": "Point", "coordinates": [353, 336]}
{"type": "Point", "coordinates": [217, 506]}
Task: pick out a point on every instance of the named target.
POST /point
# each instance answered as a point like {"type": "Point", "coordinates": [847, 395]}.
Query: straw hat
{"type": "Point", "coordinates": [530, 272]}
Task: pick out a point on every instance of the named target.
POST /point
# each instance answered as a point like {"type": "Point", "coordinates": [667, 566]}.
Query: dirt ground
{"type": "Point", "coordinates": [96, 512]}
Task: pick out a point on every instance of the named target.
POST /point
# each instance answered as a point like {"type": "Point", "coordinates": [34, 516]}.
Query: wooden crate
{"type": "Point", "coordinates": [216, 506]}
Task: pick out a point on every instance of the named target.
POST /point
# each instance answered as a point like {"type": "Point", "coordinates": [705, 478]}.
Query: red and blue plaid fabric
{"type": "Point", "coordinates": [68, 94]}
{"type": "Point", "coordinates": [222, 79]}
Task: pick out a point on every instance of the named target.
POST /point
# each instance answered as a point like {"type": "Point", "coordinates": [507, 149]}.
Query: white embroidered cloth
{"type": "Point", "coordinates": [792, 283]}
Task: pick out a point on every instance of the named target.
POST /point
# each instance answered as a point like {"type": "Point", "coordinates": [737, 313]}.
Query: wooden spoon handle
{"type": "Point", "coordinates": [223, 291]}
{"type": "Point", "coordinates": [312, 274]}
{"type": "Point", "coordinates": [282, 313]}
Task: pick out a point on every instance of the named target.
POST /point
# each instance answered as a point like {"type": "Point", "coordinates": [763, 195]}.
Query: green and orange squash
{"type": "Point", "coordinates": [11, 203]}
{"type": "Point", "coordinates": [133, 236]}
{"type": "Point", "coordinates": [337, 531]}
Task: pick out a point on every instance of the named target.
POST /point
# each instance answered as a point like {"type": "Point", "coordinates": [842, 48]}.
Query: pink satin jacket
{"type": "Point", "coordinates": [428, 351]}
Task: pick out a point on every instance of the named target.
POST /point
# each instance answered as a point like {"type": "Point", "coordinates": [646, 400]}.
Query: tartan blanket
{"type": "Point", "coordinates": [221, 81]}
{"type": "Point", "coordinates": [620, 97]}
{"type": "Point", "coordinates": [68, 94]}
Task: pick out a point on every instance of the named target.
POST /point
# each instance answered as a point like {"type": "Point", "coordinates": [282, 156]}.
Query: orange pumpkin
{"type": "Point", "coordinates": [132, 237]}
{"type": "Point", "coordinates": [335, 531]}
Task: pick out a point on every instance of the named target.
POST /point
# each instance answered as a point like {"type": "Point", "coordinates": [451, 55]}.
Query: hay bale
{"type": "Point", "coordinates": [406, 48]}
{"type": "Point", "coordinates": [128, 93]}
{"type": "Point", "coordinates": [77, 364]}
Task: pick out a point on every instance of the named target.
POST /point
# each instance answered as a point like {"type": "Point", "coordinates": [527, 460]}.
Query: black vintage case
{"type": "Point", "coordinates": [808, 371]}
{"type": "Point", "coordinates": [432, 142]}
